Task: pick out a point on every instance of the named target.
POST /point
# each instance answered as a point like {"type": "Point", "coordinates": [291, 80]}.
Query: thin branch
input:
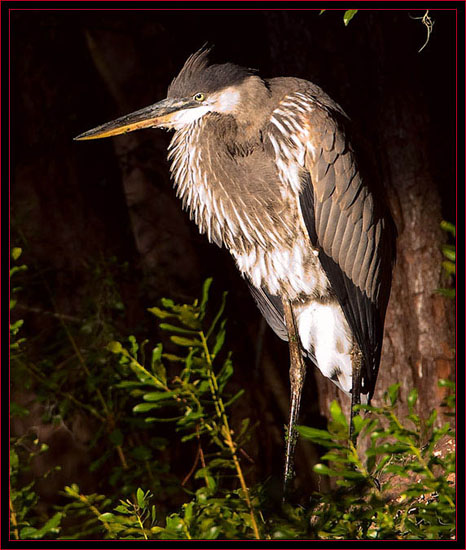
{"type": "Point", "coordinates": [429, 25]}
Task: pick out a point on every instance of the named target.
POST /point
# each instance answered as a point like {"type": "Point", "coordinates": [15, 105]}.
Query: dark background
{"type": "Point", "coordinates": [77, 206]}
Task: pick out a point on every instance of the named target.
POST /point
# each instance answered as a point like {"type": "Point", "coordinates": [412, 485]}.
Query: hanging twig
{"type": "Point", "coordinates": [429, 24]}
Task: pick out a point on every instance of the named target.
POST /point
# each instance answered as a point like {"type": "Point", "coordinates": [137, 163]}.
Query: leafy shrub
{"type": "Point", "coordinates": [401, 487]}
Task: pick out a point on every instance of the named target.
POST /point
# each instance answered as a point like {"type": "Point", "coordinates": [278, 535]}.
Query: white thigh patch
{"type": "Point", "coordinates": [324, 332]}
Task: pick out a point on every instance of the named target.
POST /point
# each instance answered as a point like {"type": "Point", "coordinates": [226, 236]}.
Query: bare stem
{"type": "Point", "coordinates": [13, 519]}
{"type": "Point", "coordinates": [219, 407]}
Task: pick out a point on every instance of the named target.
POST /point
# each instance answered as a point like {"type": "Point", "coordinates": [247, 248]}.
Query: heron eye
{"type": "Point", "coordinates": [199, 97]}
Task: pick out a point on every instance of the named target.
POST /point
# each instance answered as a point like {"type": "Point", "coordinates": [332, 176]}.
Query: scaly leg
{"type": "Point", "coordinates": [356, 361]}
{"type": "Point", "coordinates": [297, 374]}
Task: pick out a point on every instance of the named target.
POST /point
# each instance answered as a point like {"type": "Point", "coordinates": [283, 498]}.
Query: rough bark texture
{"type": "Point", "coordinates": [73, 202]}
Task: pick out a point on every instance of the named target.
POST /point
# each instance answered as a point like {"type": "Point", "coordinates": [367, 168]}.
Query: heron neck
{"type": "Point", "coordinates": [254, 110]}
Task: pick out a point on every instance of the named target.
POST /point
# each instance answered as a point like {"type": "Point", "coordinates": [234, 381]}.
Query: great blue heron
{"type": "Point", "coordinates": [265, 168]}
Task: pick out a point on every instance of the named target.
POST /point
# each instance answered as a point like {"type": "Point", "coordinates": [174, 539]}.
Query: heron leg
{"type": "Point", "coordinates": [297, 374]}
{"type": "Point", "coordinates": [356, 361]}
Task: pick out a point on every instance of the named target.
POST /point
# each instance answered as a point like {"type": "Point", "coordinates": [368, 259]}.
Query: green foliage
{"type": "Point", "coordinates": [15, 327]}
{"type": "Point", "coordinates": [143, 399]}
{"type": "Point", "coordinates": [402, 459]}
{"type": "Point", "coordinates": [347, 16]}
{"type": "Point", "coordinates": [449, 253]}
{"type": "Point", "coordinates": [196, 402]}
{"type": "Point", "coordinates": [23, 498]}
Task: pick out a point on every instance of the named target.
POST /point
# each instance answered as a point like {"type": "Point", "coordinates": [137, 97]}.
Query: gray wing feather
{"type": "Point", "coordinates": [350, 229]}
{"type": "Point", "coordinates": [347, 226]}
{"type": "Point", "coordinates": [271, 309]}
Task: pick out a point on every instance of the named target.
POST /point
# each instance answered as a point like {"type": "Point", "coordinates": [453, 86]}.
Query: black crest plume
{"type": "Point", "coordinates": [197, 75]}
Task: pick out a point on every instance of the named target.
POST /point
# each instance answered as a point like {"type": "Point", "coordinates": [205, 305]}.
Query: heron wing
{"type": "Point", "coordinates": [272, 310]}
{"type": "Point", "coordinates": [345, 223]}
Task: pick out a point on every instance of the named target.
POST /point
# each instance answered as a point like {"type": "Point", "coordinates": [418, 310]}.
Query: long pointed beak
{"type": "Point", "coordinates": [157, 115]}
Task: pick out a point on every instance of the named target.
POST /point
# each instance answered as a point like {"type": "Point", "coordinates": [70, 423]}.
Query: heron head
{"type": "Point", "coordinates": [198, 90]}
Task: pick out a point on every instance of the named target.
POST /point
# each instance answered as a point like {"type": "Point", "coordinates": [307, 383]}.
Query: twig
{"type": "Point", "coordinates": [191, 471]}
{"type": "Point", "coordinates": [13, 519]}
{"type": "Point", "coordinates": [50, 313]}
{"type": "Point", "coordinates": [429, 24]}
{"type": "Point", "coordinates": [227, 433]}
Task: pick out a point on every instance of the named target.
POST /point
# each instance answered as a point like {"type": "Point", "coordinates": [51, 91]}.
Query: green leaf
{"type": "Point", "coordinates": [449, 252]}
{"type": "Point", "coordinates": [180, 341]}
{"type": "Point", "coordinates": [225, 374]}
{"type": "Point", "coordinates": [16, 252]}
{"type": "Point", "coordinates": [349, 14]}
{"type": "Point", "coordinates": [433, 416]}
{"type": "Point", "coordinates": [145, 407]}
{"type": "Point", "coordinates": [108, 517]}
{"type": "Point", "coordinates": [213, 532]}
{"type": "Point", "coordinates": [324, 470]}
{"type": "Point", "coordinates": [17, 325]}
{"type": "Point", "coordinates": [412, 398]}
{"type": "Point", "coordinates": [160, 395]}
{"type": "Point", "coordinates": [52, 526]}
{"type": "Point", "coordinates": [140, 498]}
{"type": "Point", "coordinates": [122, 509]}
{"type": "Point", "coordinates": [205, 297]}
{"type": "Point", "coordinates": [28, 533]}
{"type": "Point", "coordinates": [168, 302]}
{"type": "Point", "coordinates": [14, 460]}
{"type": "Point", "coordinates": [174, 328]}
{"type": "Point", "coordinates": [160, 313]}
{"type": "Point", "coordinates": [220, 339]}
{"type": "Point", "coordinates": [174, 358]}
{"type": "Point", "coordinates": [337, 414]}
{"type": "Point", "coordinates": [234, 398]}
{"type": "Point", "coordinates": [115, 347]}
{"type": "Point", "coordinates": [151, 419]}
{"type": "Point", "coordinates": [128, 384]}
{"type": "Point", "coordinates": [156, 354]}
{"type": "Point", "coordinates": [134, 346]}
{"type": "Point", "coordinates": [17, 269]}
{"type": "Point", "coordinates": [218, 316]}
{"type": "Point", "coordinates": [189, 317]}
{"type": "Point", "coordinates": [393, 392]}
{"type": "Point", "coordinates": [188, 512]}
{"type": "Point", "coordinates": [449, 267]}
{"type": "Point", "coordinates": [313, 433]}
{"type": "Point", "coordinates": [447, 292]}
{"type": "Point", "coordinates": [449, 227]}
{"type": "Point", "coordinates": [335, 457]}
{"type": "Point", "coordinates": [158, 368]}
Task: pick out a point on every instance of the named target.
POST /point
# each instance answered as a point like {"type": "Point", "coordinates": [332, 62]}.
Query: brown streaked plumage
{"type": "Point", "coordinates": [265, 168]}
